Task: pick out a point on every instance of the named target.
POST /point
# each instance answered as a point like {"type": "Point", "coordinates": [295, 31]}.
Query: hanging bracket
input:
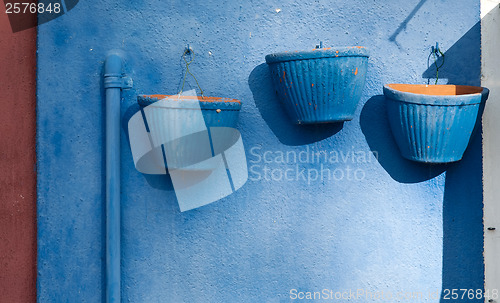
{"type": "Point", "coordinates": [121, 81]}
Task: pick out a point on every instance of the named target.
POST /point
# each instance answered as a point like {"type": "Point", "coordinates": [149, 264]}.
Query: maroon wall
{"type": "Point", "coordinates": [17, 163]}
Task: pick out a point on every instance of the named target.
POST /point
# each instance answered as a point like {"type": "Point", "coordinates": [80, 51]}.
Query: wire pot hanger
{"type": "Point", "coordinates": [189, 51]}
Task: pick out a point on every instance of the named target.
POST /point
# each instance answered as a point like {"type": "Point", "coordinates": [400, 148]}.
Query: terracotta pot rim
{"type": "Point", "coordinates": [206, 103]}
{"type": "Point", "coordinates": [436, 90]}
{"type": "Point", "coordinates": [318, 53]}
{"type": "Point", "coordinates": [442, 95]}
{"type": "Point", "coordinates": [200, 98]}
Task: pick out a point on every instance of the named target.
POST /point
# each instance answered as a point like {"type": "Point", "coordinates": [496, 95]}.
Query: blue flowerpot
{"type": "Point", "coordinates": [433, 123]}
{"type": "Point", "coordinates": [322, 85]}
{"type": "Point", "coordinates": [183, 122]}
{"type": "Point", "coordinates": [217, 112]}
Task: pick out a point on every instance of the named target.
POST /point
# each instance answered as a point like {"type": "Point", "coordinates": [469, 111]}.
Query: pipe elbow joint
{"type": "Point", "coordinates": [113, 76]}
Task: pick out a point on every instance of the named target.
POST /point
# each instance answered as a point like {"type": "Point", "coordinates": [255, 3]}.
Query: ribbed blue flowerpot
{"type": "Point", "coordinates": [433, 123]}
{"type": "Point", "coordinates": [319, 86]}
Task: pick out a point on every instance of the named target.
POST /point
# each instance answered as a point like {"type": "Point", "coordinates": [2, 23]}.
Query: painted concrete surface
{"type": "Point", "coordinates": [490, 42]}
{"type": "Point", "coordinates": [17, 164]}
{"type": "Point", "coordinates": [374, 221]}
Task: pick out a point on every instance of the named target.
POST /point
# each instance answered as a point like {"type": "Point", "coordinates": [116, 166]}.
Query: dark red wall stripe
{"type": "Point", "coordinates": [17, 163]}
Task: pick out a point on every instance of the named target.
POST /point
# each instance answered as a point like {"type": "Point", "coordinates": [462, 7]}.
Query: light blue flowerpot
{"type": "Point", "coordinates": [322, 85]}
{"type": "Point", "coordinates": [433, 123]}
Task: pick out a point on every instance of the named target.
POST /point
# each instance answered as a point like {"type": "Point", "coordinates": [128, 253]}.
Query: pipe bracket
{"type": "Point", "coordinates": [121, 81]}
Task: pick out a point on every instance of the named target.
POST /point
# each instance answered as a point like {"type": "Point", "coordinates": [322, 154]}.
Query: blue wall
{"type": "Point", "coordinates": [401, 227]}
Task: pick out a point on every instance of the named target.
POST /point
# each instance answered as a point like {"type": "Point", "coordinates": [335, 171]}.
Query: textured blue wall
{"type": "Point", "coordinates": [402, 227]}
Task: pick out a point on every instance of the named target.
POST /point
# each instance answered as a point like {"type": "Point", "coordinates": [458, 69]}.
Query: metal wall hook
{"type": "Point", "coordinates": [436, 53]}
{"type": "Point", "coordinates": [188, 50]}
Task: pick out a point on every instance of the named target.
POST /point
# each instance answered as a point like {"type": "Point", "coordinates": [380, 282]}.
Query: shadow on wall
{"type": "Point", "coordinates": [463, 265]}
{"type": "Point", "coordinates": [375, 126]}
{"type": "Point", "coordinates": [275, 116]}
{"type": "Point", "coordinates": [403, 24]}
{"type": "Point", "coordinates": [462, 203]}
{"type": "Point", "coordinates": [463, 223]}
{"type": "Point", "coordinates": [462, 60]}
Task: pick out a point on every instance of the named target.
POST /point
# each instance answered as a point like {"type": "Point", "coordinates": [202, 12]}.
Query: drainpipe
{"type": "Point", "coordinates": [114, 82]}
